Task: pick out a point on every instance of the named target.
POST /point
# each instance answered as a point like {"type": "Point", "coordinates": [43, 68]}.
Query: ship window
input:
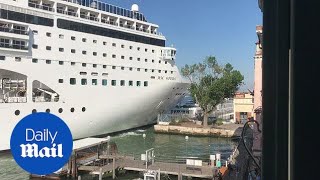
{"type": "Point", "coordinates": [138, 69]}
{"type": "Point", "coordinates": [138, 48]}
{"type": "Point", "coordinates": [17, 112]}
{"type": "Point", "coordinates": [130, 58]}
{"type": "Point", "coordinates": [104, 66]}
{"type": "Point", "coordinates": [152, 60]}
{"type": "Point", "coordinates": [33, 60]}
{"type": "Point", "coordinates": [166, 62]}
{"type": "Point", "coordinates": [83, 109]}
{"type": "Point", "coordinates": [145, 83]}
{"type": "Point", "coordinates": [122, 83]}
{"type": "Point", "coordinates": [138, 59]}
{"type": "Point", "coordinates": [165, 71]}
{"type": "Point", "coordinates": [159, 62]}
{"type": "Point", "coordinates": [60, 110]}
{"type": "Point", "coordinates": [48, 48]}
{"type": "Point", "coordinates": [146, 70]}
{"type": "Point", "coordinates": [83, 81]}
{"type": "Point", "coordinates": [73, 38]}
{"type": "Point", "coordinates": [94, 65]}
{"type": "Point", "coordinates": [84, 40]}
{"type": "Point", "coordinates": [122, 46]}
{"type": "Point", "coordinates": [84, 52]}
{"type": "Point", "coordinates": [72, 109]}
{"type": "Point", "coordinates": [34, 111]}
{"type": "Point", "coordinates": [130, 83]}
{"type": "Point", "coordinates": [83, 73]}
{"type": "Point", "coordinates": [48, 34]}
{"type": "Point", "coordinates": [73, 63]}
{"type": "Point", "coordinates": [61, 36]}
{"type": "Point", "coordinates": [159, 71]}
{"type": "Point", "coordinates": [94, 74]}
{"type": "Point", "coordinates": [114, 56]}
{"type": "Point", "coordinates": [138, 83]}
{"type": "Point", "coordinates": [48, 61]}
{"type": "Point", "coordinates": [152, 70]}
{"type": "Point", "coordinates": [146, 50]}
{"type": "Point", "coordinates": [2, 58]}
{"type": "Point", "coordinates": [104, 43]}
{"type": "Point", "coordinates": [104, 54]}
{"type": "Point", "coordinates": [94, 82]}
{"type": "Point", "coordinates": [94, 41]}
{"type": "Point", "coordinates": [113, 67]}
{"type": "Point", "coordinates": [84, 64]}
{"type": "Point", "coordinates": [146, 60]}
{"type": "Point", "coordinates": [73, 51]}
{"type": "Point", "coordinates": [104, 82]}
{"type": "Point", "coordinates": [104, 74]}
{"type": "Point", "coordinates": [61, 49]}
{"type": "Point", "coordinates": [122, 57]}
{"type": "Point", "coordinates": [61, 62]}
{"type": "Point", "coordinates": [130, 68]}
{"type": "Point", "coordinates": [94, 53]}
{"type": "Point", "coordinates": [18, 59]}
{"type": "Point", "coordinates": [152, 50]}
{"type": "Point", "coordinates": [73, 81]}
{"type": "Point", "coordinates": [171, 72]}
{"type": "Point", "coordinates": [60, 80]}
{"type": "Point", "coordinates": [47, 110]}
{"type": "Point", "coordinates": [114, 82]}
{"type": "Point", "coordinates": [153, 77]}
{"type": "Point", "coordinates": [122, 68]}
{"type": "Point", "coordinates": [130, 47]}
{"type": "Point", "coordinates": [114, 44]}
{"type": "Point", "coordinates": [34, 46]}
{"type": "Point", "coordinates": [35, 32]}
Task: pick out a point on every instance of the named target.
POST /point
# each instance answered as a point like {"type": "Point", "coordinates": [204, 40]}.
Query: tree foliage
{"type": "Point", "coordinates": [211, 83]}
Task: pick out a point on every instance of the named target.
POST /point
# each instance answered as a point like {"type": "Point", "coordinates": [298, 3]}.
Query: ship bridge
{"type": "Point", "coordinates": [168, 53]}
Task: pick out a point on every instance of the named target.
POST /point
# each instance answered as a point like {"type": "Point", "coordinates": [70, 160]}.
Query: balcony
{"type": "Point", "coordinates": [14, 31]}
{"type": "Point", "coordinates": [69, 13]}
{"type": "Point", "coordinates": [13, 46]}
{"type": "Point", "coordinates": [45, 7]}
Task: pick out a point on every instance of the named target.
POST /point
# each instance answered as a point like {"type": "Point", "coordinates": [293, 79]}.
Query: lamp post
{"type": "Point", "coordinates": [144, 140]}
{"type": "Point", "coordinates": [187, 138]}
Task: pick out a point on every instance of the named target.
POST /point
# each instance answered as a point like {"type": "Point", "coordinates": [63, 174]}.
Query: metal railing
{"type": "Point", "coordinates": [15, 31]}
{"type": "Point", "coordinates": [69, 13]}
{"type": "Point", "coordinates": [13, 46]}
{"type": "Point", "coordinates": [43, 7]}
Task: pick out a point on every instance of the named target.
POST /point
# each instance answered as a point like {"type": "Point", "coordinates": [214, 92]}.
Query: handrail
{"type": "Point", "coordinates": [13, 30]}
{"type": "Point", "coordinates": [38, 6]}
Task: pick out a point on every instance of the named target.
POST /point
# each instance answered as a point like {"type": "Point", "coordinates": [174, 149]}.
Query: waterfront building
{"type": "Point", "coordinates": [243, 106]}
{"type": "Point", "coordinates": [99, 67]}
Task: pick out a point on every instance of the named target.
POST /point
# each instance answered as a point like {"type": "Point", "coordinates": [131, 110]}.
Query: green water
{"type": "Point", "coordinates": [166, 147]}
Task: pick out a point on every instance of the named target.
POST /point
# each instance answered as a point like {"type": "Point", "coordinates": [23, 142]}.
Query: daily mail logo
{"type": "Point", "coordinates": [41, 143]}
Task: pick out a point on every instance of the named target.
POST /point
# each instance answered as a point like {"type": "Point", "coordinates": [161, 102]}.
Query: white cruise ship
{"type": "Point", "coordinates": [99, 67]}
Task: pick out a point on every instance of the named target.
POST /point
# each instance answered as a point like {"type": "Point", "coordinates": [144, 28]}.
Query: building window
{"type": "Point", "coordinates": [84, 40]}
{"type": "Point", "coordinates": [61, 62]}
{"type": "Point", "coordinates": [122, 83]}
{"type": "Point", "coordinates": [138, 83]}
{"type": "Point", "coordinates": [94, 82]}
{"type": "Point", "coordinates": [34, 46]}
{"type": "Point", "coordinates": [113, 82]}
{"type": "Point", "coordinates": [73, 81]}
{"type": "Point", "coordinates": [48, 48]}
{"type": "Point", "coordinates": [114, 44]}
{"type": "Point", "coordinates": [130, 83]}
{"type": "Point", "coordinates": [122, 57]}
{"type": "Point", "coordinates": [94, 65]}
{"type": "Point", "coordinates": [145, 83]}
{"type": "Point", "coordinates": [84, 52]}
{"type": "Point", "coordinates": [114, 56]}
{"type": "Point", "coordinates": [104, 43]}
{"type": "Point", "coordinates": [104, 66]}
{"type": "Point", "coordinates": [48, 34]}
{"type": "Point", "coordinates": [94, 41]}
{"type": "Point", "coordinates": [35, 60]}
{"type": "Point", "coordinates": [94, 53]}
{"type": "Point", "coordinates": [104, 82]}
{"type": "Point", "coordinates": [60, 80]}
{"type": "Point", "coordinates": [84, 64]}
{"type": "Point", "coordinates": [83, 81]}
{"type": "Point", "coordinates": [113, 67]}
{"type": "Point", "coordinates": [122, 46]}
{"type": "Point", "coordinates": [73, 38]}
{"type": "Point", "coordinates": [61, 36]}
{"type": "Point", "coordinates": [61, 49]}
{"type": "Point", "coordinates": [104, 54]}
{"type": "Point", "coordinates": [73, 51]}
{"type": "Point", "coordinates": [48, 61]}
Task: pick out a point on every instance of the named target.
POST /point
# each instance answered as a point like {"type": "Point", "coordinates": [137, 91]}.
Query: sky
{"type": "Point", "coordinates": [199, 28]}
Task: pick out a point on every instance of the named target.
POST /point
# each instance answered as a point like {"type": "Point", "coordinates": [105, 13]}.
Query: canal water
{"type": "Point", "coordinates": [172, 148]}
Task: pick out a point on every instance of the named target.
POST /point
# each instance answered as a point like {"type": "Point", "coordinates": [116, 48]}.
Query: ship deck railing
{"type": "Point", "coordinates": [13, 30]}
{"type": "Point", "coordinates": [38, 6]}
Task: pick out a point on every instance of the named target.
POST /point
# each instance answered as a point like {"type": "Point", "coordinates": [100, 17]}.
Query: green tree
{"type": "Point", "coordinates": [212, 83]}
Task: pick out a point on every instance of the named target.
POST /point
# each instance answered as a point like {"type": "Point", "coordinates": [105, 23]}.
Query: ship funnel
{"type": "Point", "coordinates": [135, 8]}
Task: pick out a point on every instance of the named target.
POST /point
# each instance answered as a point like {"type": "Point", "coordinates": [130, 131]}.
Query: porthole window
{"type": "Point", "coordinates": [152, 70]}
{"type": "Point", "coordinates": [171, 72]}
{"type": "Point", "coordinates": [130, 68]}
{"type": "Point", "coordinates": [84, 64]}
{"type": "Point", "coordinates": [61, 36]}
{"type": "Point", "coordinates": [165, 72]}
{"type": "Point", "coordinates": [114, 56]}
{"type": "Point", "coordinates": [83, 109]}
{"type": "Point", "coordinates": [104, 43]}
{"type": "Point", "coordinates": [159, 71]}
{"type": "Point", "coordinates": [138, 59]}
{"type": "Point", "coordinates": [145, 70]}
{"type": "Point", "coordinates": [138, 69]}
{"type": "Point", "coordinates": [73, 63]}
{"type": "Point", "coordinates": [159, 62]}
{"type": "Point", "coordinates": [84, 52]}
{"type": "Point", "coordinates": [34, 111]}
{"type": "Point", "coordinates": [166, 62]}
{"type": "Point", "coordinates": [18, 59]}
{"type": "Point", "coordinates": [152, 50]}
{"type": "Point", "coordinates": [94, 41]}
{"type": "Point", "coordinates": [152, 60]}
{"type": "Point", "coordinates": [114, 44]}
{"type": "Point", "coordinates": [138, 48]}
{"type": "Point", "coordinates": [72, 109]}
{"type": "Point", "coordinates": [130, 58]}
{"type": "Point", "coordinates": [94, 65]}
{"type": "Point", "coordinates": [48, 34]}
{"type": "Point", "coordinates": [47, 110]}
{"type": "Point", "coordinates": [104, 66]}
{"type": "Point", "coordinates": [146, 50]}
{"type": "Point", "coordinates": [73, 38]}
{"type": "Point", "coordinates": [95, 53]}
{"type": "Point", "coordinates": [17, 112]}
{"type": "Point", "coordinates": [84, 40]}
{"type": "Point", "coordinates": [122, 46]}
{"type": "Point", "coordinates": [60, 110]}
{"type": "Point", "coordinates": [73, 51]}
{"type": "Point", "coordinates": [146, 60]}
{"type": "Point", "coordinates": [104, 54]}
{"type": "Point", "coordinates": [130, 47]}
